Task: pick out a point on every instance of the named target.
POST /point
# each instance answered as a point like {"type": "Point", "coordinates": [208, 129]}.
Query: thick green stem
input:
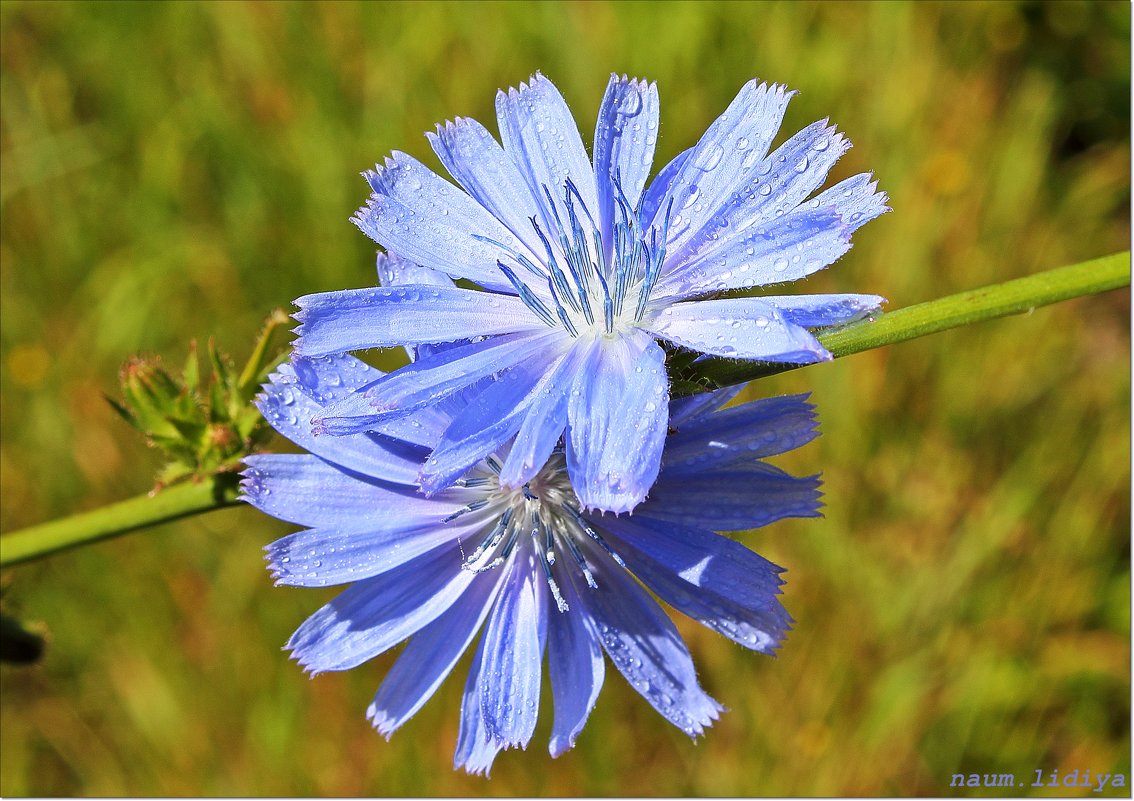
{"type": "Point", "coordinates": [171, 503]}
{"type": "Point", "coordinates": [1011, 297]}
{"type": "Point", "coordinates": [987, 303]}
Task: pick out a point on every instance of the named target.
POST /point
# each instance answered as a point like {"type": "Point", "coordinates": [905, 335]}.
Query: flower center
{"type": "Point", "coordinates": [543, 516]}
{"type": "Point", "coordinates": [592, 287]}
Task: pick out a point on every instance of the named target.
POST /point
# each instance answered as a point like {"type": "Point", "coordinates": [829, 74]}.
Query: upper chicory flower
{"type": "Point", "coordinates": [526, 567]}
{"type": "Point", "coordinates": [584, 268]}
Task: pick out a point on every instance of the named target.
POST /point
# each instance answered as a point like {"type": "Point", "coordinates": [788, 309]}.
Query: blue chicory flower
{"type": "Point", "coordinates": [584, 267]}
{"type": "Point", "coordinates": [528, 568]}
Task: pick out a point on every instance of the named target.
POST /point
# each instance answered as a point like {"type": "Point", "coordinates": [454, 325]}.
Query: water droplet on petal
{"type": "Point", "coordinates": [712, 158]}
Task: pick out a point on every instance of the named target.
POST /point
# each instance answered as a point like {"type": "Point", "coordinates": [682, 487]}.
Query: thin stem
{"type": "Point", "coordinates": [261, 359]}
{"type": "Point", "coordinates": [1010, 297]}
{"type": "Point", "coordinates": [162, 506]}
{"type": "Point", "coordinates": [987, 303]}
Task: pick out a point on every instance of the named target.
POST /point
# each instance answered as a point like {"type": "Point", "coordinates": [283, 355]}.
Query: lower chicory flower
{"type": "Point", "coordinates": [527, 568]}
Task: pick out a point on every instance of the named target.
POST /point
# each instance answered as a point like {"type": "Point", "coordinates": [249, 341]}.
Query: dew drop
{"type": "Point", "coordinates": [712, 158]}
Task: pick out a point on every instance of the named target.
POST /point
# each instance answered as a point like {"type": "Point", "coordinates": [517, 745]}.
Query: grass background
{"type": "Point", "coordinates": [175, 170]}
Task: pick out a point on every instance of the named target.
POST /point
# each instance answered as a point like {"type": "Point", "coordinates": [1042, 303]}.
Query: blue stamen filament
{"type": "Point", "coordinates": [540, 516]}
{"type": "Point", "coordinates": [578, 273]}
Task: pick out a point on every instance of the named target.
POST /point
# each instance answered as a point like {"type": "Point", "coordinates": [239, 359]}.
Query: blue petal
{"type": "Point", "coordinates": [305, 490]}
{"type": "Point", "coordinates": [646, 648]}
{"type": "Point", "coordinates": [780, 183]}
{"type": "Point", "coordinates": [741, 328]}
{"type": "Point", "coordinates": [856, 200]}
{"type": "Point", "coordinates": [692, 407]}
{"type": "Point", "coordinates": [513, 655]}
{"type": "Point", "coordinates": [740, 434]}
{"type": "Point", "coordinates": [541, 136]}
{"type": "Point", "coordinates": [481, 166]}
{"type": "Point", "coordinates": [616, 425]}
{"type": "Point", "coordinates": [430, 656]}
{"type": "Point", "coordinates": [424, 218]}
{"type": "Point", "coordinates": [816, 311]}
{"type": "Point", "coordinates": [544, 421]}
{"type": "Point", "coordinates": [289, 406]}
{"type": "Point", "coordinates": [704, 559]}
{"type": "Point", "coordinates": [374, 615]}
{"type": "Point", "coordinates": [484, 425]}
{"type": "Point", "coordinates": [796, 169]}
{"type": "Point", "coordinates": [779, 249]}
{"type": "Point", "coordinates": [735, 498]}
{"type": "Point", "coordinates": [658, 191]}
{"type": "Point", "coordinates": [625, 134]}
{"type": "Point", "coordinates": [785, 249]}
{"type": "Point", "coordinates": [422, 426]}
{"type": "Point", "coordinates": [758, 622]}
{"type": "Point", "coordinates": [331, 377]}
{"type": "Point", "coordinates": [437, 376]}
{"type": "Point", "coordinates": [476, 749]}
{"type": "Point", "coordinates": [337, 378]}
{"type": "Point", "coordinates": [576, 668]}
{"type": "Point", "coordinates": [724, 159]}
{"type": "Point", "coordinates": [393, 270]}
{"type": "Point", "coordinates": [322, 556]}
{"type": "Point", "coordinates": [333, 322]}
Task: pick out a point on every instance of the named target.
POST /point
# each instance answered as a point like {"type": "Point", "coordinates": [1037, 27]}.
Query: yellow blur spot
{"type": "Point", "coordinates": [947, 173]}
{"type": "Point", "coordinates": [28, 365]}
{"type": "Point", "coordinates": [813, 738]}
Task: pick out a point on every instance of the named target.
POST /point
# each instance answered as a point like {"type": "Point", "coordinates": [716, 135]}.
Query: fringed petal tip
{"type": "Point", "coordinates": [709, 714]}
{"type": "Point", "coordinates": [640, 84]}
{"type": "Point", "coordinates": [251, 485]}
{"type": "Point", "coordinates": [382, 723]}
{"type": "Point", "coordinates": [295, 652]}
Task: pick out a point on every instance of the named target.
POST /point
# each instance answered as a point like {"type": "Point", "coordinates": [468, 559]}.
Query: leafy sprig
{"type": "Point", "coordinates": [202, 426]}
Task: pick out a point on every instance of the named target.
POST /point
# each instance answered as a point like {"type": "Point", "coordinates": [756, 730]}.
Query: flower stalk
{"type": "Point", "coordinates": [220, 490]}
{"type": "Point", "coordinates": [1018, 296]}
{"type": "Point", "coordinates": [160, 506]}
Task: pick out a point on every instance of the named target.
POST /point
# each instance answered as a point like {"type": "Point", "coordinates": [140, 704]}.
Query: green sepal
{"type": "Point", "coordinates": [192, 374]}
{"type": "Point", "coordinates": [200, 429]}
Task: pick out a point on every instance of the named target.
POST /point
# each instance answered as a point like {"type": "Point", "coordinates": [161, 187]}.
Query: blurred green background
{"type": "Point", "coordinates": [176, 170]}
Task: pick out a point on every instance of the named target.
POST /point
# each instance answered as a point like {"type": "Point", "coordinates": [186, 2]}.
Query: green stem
{"type": "Point", "coordinates": [999, 300]}
{"type": "Point", "coordinates": [163, 506]}
{"type": "Point", "coordinates": [987, 303]}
